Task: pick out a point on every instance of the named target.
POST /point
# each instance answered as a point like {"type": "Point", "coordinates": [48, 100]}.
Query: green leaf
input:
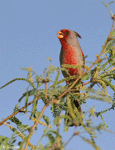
{"type": "Point", "coordinates": [34, 105]}
{"type": "Point", "coordinates": [109, 84]}
{"type": "Point", "coordinates": [51, 138]}
{"type": "Point", "coordinates": [19, 124]}
{"type": "Point", "coordinates": [86, 76]}
{"type": "Point", "coordinates": [56, 79]}
{"type": "Point", "coordinates": [4, 140]}
{"type": "Point", "coordinates": [26, 100]}
{"type": "Point", "coordinates": [66, 128]}
{"type": "Point", "coordinates": [16, 79]}
{"type": "Point", "coordinates": [46, 119]}
{"type": "Point", "coordinates": [48, 58]}
{"type": "Point", "coordinates": [92, 143]}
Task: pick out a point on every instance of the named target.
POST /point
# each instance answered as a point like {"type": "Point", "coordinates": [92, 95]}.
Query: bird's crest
{"type": "Point", "coordinates": [77, 34]}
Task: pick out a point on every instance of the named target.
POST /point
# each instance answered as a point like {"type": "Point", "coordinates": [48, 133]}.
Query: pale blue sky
{"type": "Point", "coordinates": [28, 36]}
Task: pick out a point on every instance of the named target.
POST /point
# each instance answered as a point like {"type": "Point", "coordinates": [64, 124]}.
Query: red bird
{"type": "Point", "coordinates": [72, 54]}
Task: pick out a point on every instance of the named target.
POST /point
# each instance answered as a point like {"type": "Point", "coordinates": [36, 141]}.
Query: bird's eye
{"type": "Point", "coordinates": [67, 32]}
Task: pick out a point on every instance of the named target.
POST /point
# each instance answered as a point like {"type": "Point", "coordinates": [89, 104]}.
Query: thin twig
{"type": "Point", "coordinates": [75, 133]}
{"type": "Point", "coordinates": [69, 139]}
{"type": "Point", "coordinates": [20, 110]}
{"type": "Point", "coordinates": [86, 83]}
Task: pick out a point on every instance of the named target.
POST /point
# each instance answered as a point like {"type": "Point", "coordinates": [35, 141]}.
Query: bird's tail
{"type": "Point", "coordinates": [74, 121]}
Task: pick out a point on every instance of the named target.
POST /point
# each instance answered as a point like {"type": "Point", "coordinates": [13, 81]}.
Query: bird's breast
{"type": "Point", "coordinates": [72, 56]}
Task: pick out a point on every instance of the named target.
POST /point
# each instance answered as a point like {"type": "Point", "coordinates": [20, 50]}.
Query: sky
{"type": "Point", "coordinates": [28, 36]}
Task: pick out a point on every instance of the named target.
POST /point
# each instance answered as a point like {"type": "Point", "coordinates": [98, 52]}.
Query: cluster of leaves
{"type": "Point", "coordinates": [102, 76]}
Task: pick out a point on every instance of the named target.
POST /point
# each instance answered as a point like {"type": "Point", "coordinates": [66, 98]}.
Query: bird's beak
{"type": "Point", "coordinates": [60, 35]}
